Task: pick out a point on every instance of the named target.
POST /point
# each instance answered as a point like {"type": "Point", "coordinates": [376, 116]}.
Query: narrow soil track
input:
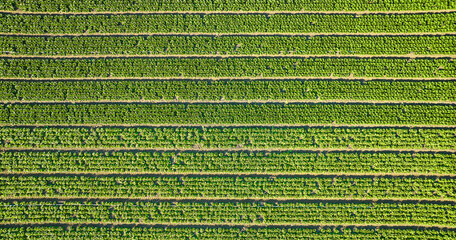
{"type": "Point", "coordinates": [228, 34]}
{"type": "Point", "coordinates": [230, 12]}
{"type": "Point", "coordinates": [204, 199]}
{"type": "Point", "coordinates": [226, 56]}
{"type": "Point", "coordinates": [224, 78]}
{"type": "Point", "coordinates": [232, 125]}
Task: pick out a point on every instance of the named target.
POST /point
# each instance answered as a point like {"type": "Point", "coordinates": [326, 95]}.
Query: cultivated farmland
{"type": "Point", "coordinates": [211, 119]}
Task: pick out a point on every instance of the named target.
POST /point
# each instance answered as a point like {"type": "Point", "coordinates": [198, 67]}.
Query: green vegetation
{"type": "Point", "coordinates": [231, 45]}
{"type": "Point", "coordinates": [225, 212]}
{"type": "Point", "coordinates": [293, 89]}
{"type": "Point", "coordinates": [228, 119]}
{"type": "Point", "coordinates": [228, 113]}
{"type": "Point", "coordinates": [268, 162]}
{"type": "Point", "coordinates": [218, 5]}
{"type": "Point", "coordinates": [274, 187]}
{"type": "Point", "coordinates": [229, 23]}
{"type": "Point", "coordinates": [229, 137]}
{"type": "Point", "coordinates": [228, 67]}
{"type": "Point", "coordinates": [207, 232]}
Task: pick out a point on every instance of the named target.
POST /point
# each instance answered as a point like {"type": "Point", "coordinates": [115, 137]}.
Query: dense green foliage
{"type": "Point", "coordinates": [229, 23]}
{"type": "Point", "coordinates": [228, 113]}
{"type": "Point", "coordinates": [297, 89]}
{"type": "Point", "coordinates": [228, 119]}
{"type": "Point", "coordinates": [245, 187]}
{"type": "Point", "coordinates": [286, 233]}
{"type": "Point", "coordinates": [228, 67]}
{"type": "Point", "coordinates": [229, 137]}
{"type": "Point", "coordinates": [223, 212]}
{"type": "Point", "coordinates": [232, 45]}
{"type": "Point", "coordinates": [219, 5]}
{"type": "Point", "coordinates": [268, 162]}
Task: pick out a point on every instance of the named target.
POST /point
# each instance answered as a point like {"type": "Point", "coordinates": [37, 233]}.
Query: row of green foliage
{"type": "Point", "coordinates": [229, 137]}
{"type": "Point", "coordinates": [231, 45]}
{"type": "Point", "coordinates": [223, 212]}
{"type": "Point", "coordinates": [243, 187]}
{"type": "Point", "coordinates": [228, 113]}
{"type": "Point", "coordinates": [208, 232]}
{"type": "Point", "coordinates": [267, 162]}
{"type": "Point", "coordinates": [231, 23]}
{"type": "Point", "coordinates": [220, 5]}
{"type": "Point", "coordinates": [228, 67]}
{"type": "Point", "coordinates": [296, 89]}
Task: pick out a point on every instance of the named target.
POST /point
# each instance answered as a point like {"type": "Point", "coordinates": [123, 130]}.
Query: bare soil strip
{"type": "Point", "coordinates": [240, 149]}
{"type": "Point", "coordinates": [231, 125]}
{"type": "Point", "coordinates": [225, 56]}
{"type": "Point", "coordinates": [230, 174]}
{"type": "Point", "coordinates": [286, 101]}
{"type": "Point", "coordinates": [222, 78]}
{"type": "Point", "coordinates": [229, 12]}
{"type": "Point", "coordinates": [227, 34]}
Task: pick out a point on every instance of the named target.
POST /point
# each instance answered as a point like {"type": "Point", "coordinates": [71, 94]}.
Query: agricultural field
{"type": "Point", "coordinates": [227, 119]}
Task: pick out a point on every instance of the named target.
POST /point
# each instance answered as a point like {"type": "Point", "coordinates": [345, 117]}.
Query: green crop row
{"type": "Point", "coordinates": [219, 5]}
{"type": "Point", "coordinates": [228, 212]}
{"type": "Point", "coordinates": [229, 23]}
{"type": "Point", "coordinates": [227, 162]}
{"type": "Point", "coordinates": [79, 90]}
{"type": "Point", "coordinates": [243, 187]}
{"type": "Point", "coordinates": [227, 113]}
{"type": "Point", "coordinates": [229, 137]}
{"type": "Point", "coordinates": [231, 45]}
{"type": "Point", "coordinates": [208, 232]}
{"type": "Point", "coordinates": [228, 67]}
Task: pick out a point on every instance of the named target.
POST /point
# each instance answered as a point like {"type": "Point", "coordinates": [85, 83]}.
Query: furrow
{"type": "Point", "coordinates": [96, 56]}
{"type": "Point", "coordinates": [225, 12]}
{"type": "Point", "coordinates": [145, 34]}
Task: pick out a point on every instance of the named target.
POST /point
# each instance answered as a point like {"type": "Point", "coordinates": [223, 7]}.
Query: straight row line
{"type": "Point", "coordinates": [227, 12]}
{"type": "Point", "coordinates": [223, 34]}
{"type": "Point", "coordinates": [226, 56]}
{"type": "Point", "coordinates": [222, 78]}
{"type": "Point", "coordinates": [206, 199]}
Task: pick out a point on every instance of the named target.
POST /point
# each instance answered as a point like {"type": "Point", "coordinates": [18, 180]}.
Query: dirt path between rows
{"type": "Point", "coordinates": [228, 12]}
{"type": "Point", "coordinates": [309, 34]}
{"type": "Point", "coordinates": [229, 56]}
{"type": "Point", "coordinates": [286, 101]}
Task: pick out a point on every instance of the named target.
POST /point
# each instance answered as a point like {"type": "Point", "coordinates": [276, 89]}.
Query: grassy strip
{"type": "Point", "coordinates": [227, 67]}
{"type": "Point", "coordinates": [216, 5]}
{"type": "Point", "coordinates": [229, 137]}
{"type": "Point", "coordinates": [230, 45]}
{"type": "Point", "coordinates": [287, 162]}
{"type": "Point", "coordinates": [237, 187]}
{"type": "Point", "coordinates": [234, 113]}
{"type": "Point", "coordinates": [208, 232]}
{"type": "Point", "coordinates": [205, 212]}
{"type": "Point", "coordinates": [229, 23]}
{"type": "Point", "coordinates": [96, 90]}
